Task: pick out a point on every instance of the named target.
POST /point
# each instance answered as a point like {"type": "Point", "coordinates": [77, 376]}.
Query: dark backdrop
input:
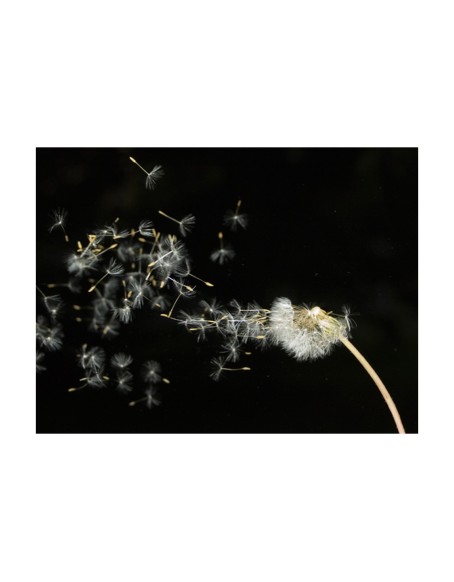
{"type": "Point", "coordinates": [326, 226]}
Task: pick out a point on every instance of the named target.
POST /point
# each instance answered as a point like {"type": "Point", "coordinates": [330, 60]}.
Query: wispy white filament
{"type": "Point", "coordinates": [304, 333]}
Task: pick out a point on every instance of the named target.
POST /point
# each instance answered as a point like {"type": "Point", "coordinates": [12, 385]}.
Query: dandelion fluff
{"type": "Point", "coordinates": [304, 333]}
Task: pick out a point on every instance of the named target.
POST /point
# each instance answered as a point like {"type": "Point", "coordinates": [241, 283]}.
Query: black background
{"type": "Point", "coordinates": [326, 226]}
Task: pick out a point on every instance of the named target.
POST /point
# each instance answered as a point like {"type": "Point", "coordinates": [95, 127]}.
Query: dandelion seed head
{"type": "Point", "coordinates": [304, 333]}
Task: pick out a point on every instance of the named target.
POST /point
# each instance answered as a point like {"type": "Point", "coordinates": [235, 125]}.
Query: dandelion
{"type": "Point", "coordinates": [305, 333]}
{"type": "Point", "coordinates": [311, 333]}
{"type": "Point", "coordinates": [156, 268]}
{"type": "Point", "coordinates": [146, 228]}
{"type": "Point", "coordinates": [224, 253]}
{"type": "Point", "coordinates": [59, 219]}
{"type": "Point", "coordinates": [233, 219]}
{"type": "Point", "coordinates": [185, 225]}
{"type": "Point", "coordinates": [152, 177]}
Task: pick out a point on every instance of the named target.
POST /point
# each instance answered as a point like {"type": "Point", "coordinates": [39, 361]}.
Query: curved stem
{"type": "Point", "coordinates": [373, 374]}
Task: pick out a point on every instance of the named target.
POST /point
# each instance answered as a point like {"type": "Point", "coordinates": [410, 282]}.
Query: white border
{"type": "Point", "coordinates": [222, 507]}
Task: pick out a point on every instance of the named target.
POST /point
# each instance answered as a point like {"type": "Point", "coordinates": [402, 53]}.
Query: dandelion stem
{"type": "Point", "coordinates": [373, 374]}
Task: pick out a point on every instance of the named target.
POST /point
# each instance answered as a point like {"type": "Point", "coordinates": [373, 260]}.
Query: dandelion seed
{"type": "Point", "coordinates": [124, 313]}
{"type": "Point", "coordinates": [128, 252]}
{"type": "Point", "coordinates": [233, 218]}
{"type": "Point", "coordinates": [109, 330]}
{"type": "Point", "coordinates": [305, 333]}
{"type": "Point", "coordinates": [156, 173]}
{"type": "Point", "coordinates": [152, 177]}
{"type": "Point", "coordinates": [160, 302]}
{"type": "Point", "coordinates": [232, 351]}
{"type": "Point", "coordinates": [166, 262]}
{"type": "Point", "coordinates": [49, 337]}
{"type": "Point", "coordinates": [91, 380]}
{"type": "Point", "coordinates": [110, 231]}
{"type": "Point", "coordinates": [186, 272]}
{"type": "Point", "coordinates": [151, 398]}
{"type": "Point", "coordinates": [53, 304]}
{"type": "Point", "coordinates": [73, 285]}
{"type": "Point", "coordinates": [152, 372]}
{"type": "Point", "coordinates": [185, 225]}
{"type": "Point", "coordinates": [59, 219]}
{"type": "Point", "coordinates": [124, 381]}
{"type": "Point", "coordinates": [218, 366]}
{"type": "Point", "coordinates": [349, 322]}
{"type": "Point", "coordinates": [121, 360]}
{"type": "Point", "coordinates": [113, 269]}
{"type": "Point", "coordinates": [139, 291]}
{"type": "Point", "coordinates": [213, 308]}
{"type": "Point", "coordinates": [39, 362]}
{"type": "Point", "coordinates": [183, 291]}
{"type": "Point", "coordinates": [224, 253]}
{"type": "Point", "coordinates": [80, 264]}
